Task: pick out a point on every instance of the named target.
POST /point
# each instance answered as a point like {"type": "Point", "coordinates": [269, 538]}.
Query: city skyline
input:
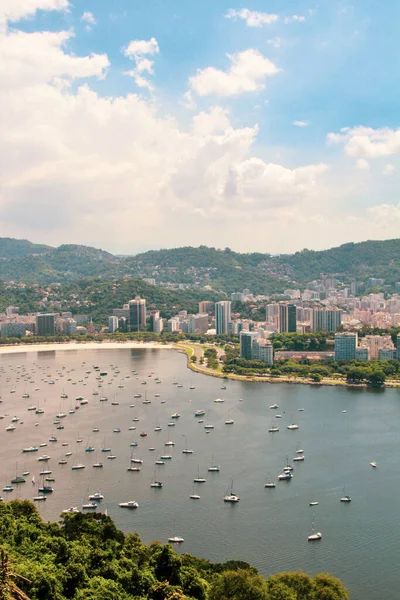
{"type": "Point", "coordinates": [129, 117]}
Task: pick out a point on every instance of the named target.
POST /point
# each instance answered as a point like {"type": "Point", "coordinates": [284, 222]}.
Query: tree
{"type": "Point", "coordinates": [239, 585]}
{"type": "Point", "coordinates": [327, 587]}
{"type": "Point", "coordinates": [8, 588]}
{"type": "Point", "coordinates": [193, 358]}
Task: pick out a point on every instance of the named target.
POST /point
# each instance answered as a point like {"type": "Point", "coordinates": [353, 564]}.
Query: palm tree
{"type": "Point", "coordinates": [8, 588]}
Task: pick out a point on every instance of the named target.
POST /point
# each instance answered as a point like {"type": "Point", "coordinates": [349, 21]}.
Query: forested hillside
{"type": "Point", "coordinates": [85, 557]}
{"type": "Point", "coordinates": [224, 270]}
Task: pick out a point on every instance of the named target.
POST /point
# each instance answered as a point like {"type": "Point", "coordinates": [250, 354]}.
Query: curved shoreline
{"type": "Point", "coordinates": [281, 379]}
{"type": "Point", "coordinates": [184, 349]}
{"type": "Point", "coordinates": [19, 348]}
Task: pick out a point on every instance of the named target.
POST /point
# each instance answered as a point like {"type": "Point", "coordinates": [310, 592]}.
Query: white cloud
{"type": "Point", "coordinates": [367, 142]}
{"type": "Point", "coordinates": [300, 123]}
{"type": "Point", "coordinates": [14, 10]}
{"type": "Point", "coordinates": [207, 123]}
{"type": "Point", "coordinates": [137, 50]}
{"type": "Point", "coordinates": [141, 47]}
{"type": "Point", "coordinates": [252, 18]}
{"type": "Point", "coordinates": [188, 101]}
{"type": "Point", "coordinates": [275, 42]}
{"type": "Point", "coordinates": [246, 74]}
{"type": "Point", "coordinates": [388, 169]}
{"type": "Point", "coordinates": [31, 58]}
{"type": "Point", "coordinates": [294, 19]}
{"type": "Point", "coordinates": [77, 166]}
{"type": "Point", "coordinates": [88, 17]}
{"type": "Point", "coordinates": [362, 164]}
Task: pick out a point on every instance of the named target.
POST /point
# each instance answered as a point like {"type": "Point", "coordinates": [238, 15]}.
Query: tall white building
{"type": "Point", "coordinates": [222, 316]}
{"type": "Point", "coordinates": [375, 342]}
{"type": "Point", "coordinates": [112, 324]}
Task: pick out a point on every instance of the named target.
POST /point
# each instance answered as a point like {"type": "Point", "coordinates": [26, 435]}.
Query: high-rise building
{"type": "Point", "coordinates": [362, 353]}
{"type": "Point", "coordinates": [137, 314]}
{"type": "Point", "coordinates": [263, 350]}
{"type": "Point", "coordinates": [158, 325]}
{"type": "Point", "coordinates": [45, 324]}
{"type": "Point", "coordinates": [375, 281]}
{"type": "Point", "coordinates": [246, 344]}
{"type": "Point", "coordinates": [154, 314]}
{"type": "Point", "coordinates": [173, 325]}
{"type": "Point", "coordinates": [198, 323]}
{"type": "Point", "coordinates": [112, 324]}
{"type": "Point", "coordinates": [206, 306]}
{"type": "Point", "coordinates": [222, 316]}
{"type": "Point", "coordinates": [345, 346]}
{"type": "Point", "coordinates": [287, 318]}
{"type": "Point", "coordinates": [324, 319]}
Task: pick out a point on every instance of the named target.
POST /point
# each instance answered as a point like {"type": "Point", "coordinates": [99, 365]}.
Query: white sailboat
{"type": "Point", "coordinates": [314, 535]}
{"type": "Point", "coordinates": [230, 496]}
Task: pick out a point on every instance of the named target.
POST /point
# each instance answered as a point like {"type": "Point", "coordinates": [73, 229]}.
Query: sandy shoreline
{"type": "Point", "coordinates": [22, 348]}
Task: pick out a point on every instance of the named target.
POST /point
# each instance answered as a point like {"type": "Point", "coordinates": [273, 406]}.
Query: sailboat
{"type": "Point", "coordinates": [213, 468]}
{"type": "Point", "coordinates": [132, 466]}
{"type": "Point", "coordinates": [315, 535]}
{"type": "Point", "coordinates": [230, 496]}
{"type": "Point", "coordinates": [229, 420]}
{"type": "Point", "coordinates": [269, 483]}
{"type": "Point", "coordinates": [175, 539]}
{"type": "Point", "coordinates": [186, 450]}
{"type": "Point", "coordinates": [199, 479]}
{"type": "Point", "coordinates": [154, 483]}
{"type": "Point", "coordinates": [345, 497]}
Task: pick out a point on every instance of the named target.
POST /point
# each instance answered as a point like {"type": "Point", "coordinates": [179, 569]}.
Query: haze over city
{"type": "Point", "coordinates": [132, 125]}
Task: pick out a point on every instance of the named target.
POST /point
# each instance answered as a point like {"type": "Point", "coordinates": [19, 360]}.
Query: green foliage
{"type": "Point", "coordinates": [85, 557]}
{"type": "Point", "coordinates": [222, 269]}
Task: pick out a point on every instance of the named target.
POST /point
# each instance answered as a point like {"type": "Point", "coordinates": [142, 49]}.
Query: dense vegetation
{"type": "Point", "coordinates": [85, 557]}
{"type": "Point", "coordinates": [225, 270]}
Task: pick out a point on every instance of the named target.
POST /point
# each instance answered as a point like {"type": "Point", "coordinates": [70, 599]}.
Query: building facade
{"type": "Point", "coordinates": [345, 346]}
{"type": "Point", "coordinates": [222, 316]}
{"type": "Point", "coordinates": [137, 314]}
{"type": "Point", "coordinates": [45, 324]}
{"type": "Point", "coordinates": [324, 319]}
{"type": "Point", "coordinates": [287, 318]}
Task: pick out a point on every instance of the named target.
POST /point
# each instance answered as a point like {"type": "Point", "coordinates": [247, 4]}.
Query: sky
{"type": "Point", "coordinates": [132, 125]}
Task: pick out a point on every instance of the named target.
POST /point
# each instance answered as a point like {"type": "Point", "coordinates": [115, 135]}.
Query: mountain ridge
{"type": "Point", "coordinates": [226, 270]}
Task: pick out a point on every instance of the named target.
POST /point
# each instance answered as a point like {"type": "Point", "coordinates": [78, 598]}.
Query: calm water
{"type": "Point", "coordinates": [269, 527]}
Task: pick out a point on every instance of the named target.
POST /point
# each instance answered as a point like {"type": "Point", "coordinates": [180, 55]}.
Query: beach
{"type": "Point", "coordinates": [19, 348]}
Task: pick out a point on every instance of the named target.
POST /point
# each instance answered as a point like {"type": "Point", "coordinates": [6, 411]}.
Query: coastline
{"type": "Point", "coordinates": [22, 348]}
{"type": "Point", "coordinates": [190, 351]}
{"type": "Point", "coordinates": [187, 349]}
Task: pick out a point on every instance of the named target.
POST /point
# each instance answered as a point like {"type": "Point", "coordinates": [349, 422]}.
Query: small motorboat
{"type": "Point", "coordinates": [130, 504]}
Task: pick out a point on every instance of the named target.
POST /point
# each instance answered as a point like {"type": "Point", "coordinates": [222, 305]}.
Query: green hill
{"type": "Point", "coordinates": [12, 248]}
{"type": "Point", "coordinates": [223, 270]}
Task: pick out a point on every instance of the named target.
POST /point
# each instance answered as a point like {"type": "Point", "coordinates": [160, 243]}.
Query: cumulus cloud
{"type": "Point", "coordinates": [247, 73]}
{"type": "Point", "coordinates": [300, 123]}
{"type": "Point", "coordinates": [27, 59]}
{"type": "Point", "coordinates": [362, 164]}
{"type": "Point", "coordinates": [367, 142]}
{"type": "Point", "coordinates": [137, 50]}
{"type": "Point", "coordinates": [252, 18]}
{"type": "Point", "coordinates": [388, 169]}
{"type": "Point", "coordinates": [14, 10]}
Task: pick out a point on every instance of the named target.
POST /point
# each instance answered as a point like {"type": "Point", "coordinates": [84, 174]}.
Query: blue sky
{"type": "Point", "coordinates": [188, 140]}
